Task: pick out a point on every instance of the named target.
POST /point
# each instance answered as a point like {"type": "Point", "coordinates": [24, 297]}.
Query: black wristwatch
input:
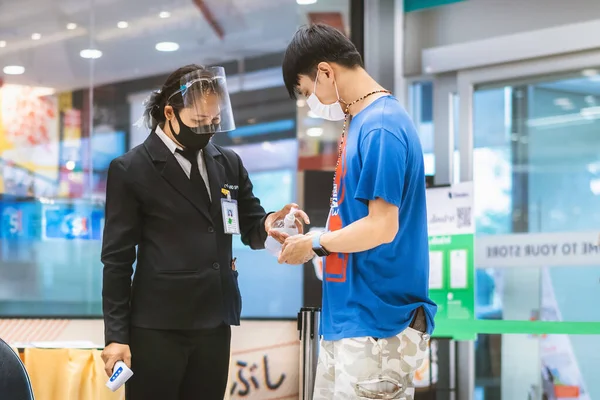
{"type": "Point", "coordinates": [317, 248]}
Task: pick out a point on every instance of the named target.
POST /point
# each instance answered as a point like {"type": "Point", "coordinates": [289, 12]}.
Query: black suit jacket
{"type": "Point", "coordinates": [183, 275]}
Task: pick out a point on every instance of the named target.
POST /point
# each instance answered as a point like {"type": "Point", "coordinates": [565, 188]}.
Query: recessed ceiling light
{"type": "Point", "coordinates": [122, 25]}
{"type": "Point", "coordinates": [90, 53]}
{"type": "Point", "coordinates": [167, 46]}
{"type": "Point", "coordinates": [314, 132]}
{"type": "Point", "coordinates": [36, 36]}
{"type": "Point", "coordinates": [2, 43]}
{"type": "Point", "coordinates": [14, 70]}
{"type": "Point", "coordinates": [164, 14]}
{"type": "Point", "coordinates": [306, 2]}
{"type": "Point", "coordinates": [70, 165]}
{"type": "Point", "coordinates": [71, 26]}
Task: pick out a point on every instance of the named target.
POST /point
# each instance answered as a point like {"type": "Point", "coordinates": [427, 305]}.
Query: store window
{"type": "Point", "coordinates": [421, 109]}
{"type": "Point", "coordinates": [71, 87]}
{"type": "Point", "coordinates": [536, 175]}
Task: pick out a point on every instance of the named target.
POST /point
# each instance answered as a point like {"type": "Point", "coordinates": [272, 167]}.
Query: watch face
{"type": "Point", "coordinates": [320, 252]}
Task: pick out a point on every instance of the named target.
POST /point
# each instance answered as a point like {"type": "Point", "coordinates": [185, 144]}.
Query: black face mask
{"type": "Point", "coordinates": [190, 139]}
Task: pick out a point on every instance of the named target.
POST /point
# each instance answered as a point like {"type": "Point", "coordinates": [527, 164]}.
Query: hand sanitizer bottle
{"type": "Point", "coordinates": [286, 225]}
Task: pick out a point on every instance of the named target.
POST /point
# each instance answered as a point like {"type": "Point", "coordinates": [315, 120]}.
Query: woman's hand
{"type": "Point", "coordinates": [301, 219]}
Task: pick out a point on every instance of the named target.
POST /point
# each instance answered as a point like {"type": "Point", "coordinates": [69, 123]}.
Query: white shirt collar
{"type": "Point", "coordinates": [171, 145]}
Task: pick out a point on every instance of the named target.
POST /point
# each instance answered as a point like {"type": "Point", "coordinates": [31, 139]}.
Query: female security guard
{"type": "Point", "coordinates": [178, 198]}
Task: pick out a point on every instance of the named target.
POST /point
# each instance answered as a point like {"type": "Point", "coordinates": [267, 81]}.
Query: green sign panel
{"type": "Point", "coordinates": [416, 5]}
{"type": "Point", "coordinates": [454, 277]}
{"type": "Point", "coordinates": [452, 271]}
{"type": "Point", "coordinates": [451, 253]}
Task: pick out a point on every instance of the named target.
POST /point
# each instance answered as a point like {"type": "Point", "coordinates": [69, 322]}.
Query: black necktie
{"type": "Point", "coordinates": [195, 177]}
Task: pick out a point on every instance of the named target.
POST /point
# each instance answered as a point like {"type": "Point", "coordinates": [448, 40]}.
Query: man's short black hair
{"type": "Point", "coordinates": [314, 44]}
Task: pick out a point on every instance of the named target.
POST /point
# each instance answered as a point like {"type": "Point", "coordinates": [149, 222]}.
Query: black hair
{"type": "Point", "coordinates": [154, 113]}
{"type": "Point", "coordinates": [314, 44]}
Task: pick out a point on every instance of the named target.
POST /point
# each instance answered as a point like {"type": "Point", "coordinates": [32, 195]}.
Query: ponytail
{"type": "Point", "coordinates": [150, 117]}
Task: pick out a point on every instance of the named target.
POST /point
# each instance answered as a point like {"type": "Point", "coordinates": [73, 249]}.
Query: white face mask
{"type": "Point", "coordinates": [330, 112]}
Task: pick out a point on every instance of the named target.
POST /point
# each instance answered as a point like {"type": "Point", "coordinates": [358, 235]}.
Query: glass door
{"type": "Point", "coordinates": [536, 173]}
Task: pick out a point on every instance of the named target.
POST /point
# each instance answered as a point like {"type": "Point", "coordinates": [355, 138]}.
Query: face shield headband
{"type": "Point", "coordinates": [202, 102]}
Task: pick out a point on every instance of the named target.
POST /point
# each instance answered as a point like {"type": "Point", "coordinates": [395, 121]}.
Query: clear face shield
{"type": "Point", "coordinates": [203, 101]}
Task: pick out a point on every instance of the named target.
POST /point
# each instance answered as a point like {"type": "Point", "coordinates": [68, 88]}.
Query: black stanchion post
{"type": "Point", "coordinates": [308, 328]}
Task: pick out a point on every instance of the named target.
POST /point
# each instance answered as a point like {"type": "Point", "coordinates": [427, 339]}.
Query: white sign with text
{"type": "Point", "coordinates": [561, 249]}
{"type": "Point", "coordinates": [450, 210]}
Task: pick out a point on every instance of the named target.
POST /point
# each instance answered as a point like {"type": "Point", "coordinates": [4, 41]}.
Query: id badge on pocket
{"type": "Point", "coordinates": [231, 223]}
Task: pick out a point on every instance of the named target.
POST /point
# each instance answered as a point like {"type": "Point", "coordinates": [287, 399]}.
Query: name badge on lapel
{"type": "Point", "coordinates": [229, 209]}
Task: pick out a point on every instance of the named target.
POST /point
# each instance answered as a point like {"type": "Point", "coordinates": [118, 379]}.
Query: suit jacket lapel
{"type": "Point", "coordinates": [172, 172]}
{"type": "Point", "coordinates": [216, 177]}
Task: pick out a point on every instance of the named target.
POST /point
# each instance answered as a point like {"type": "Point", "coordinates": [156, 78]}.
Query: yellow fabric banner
{"type": "Point", "coordinates": [68, 374]}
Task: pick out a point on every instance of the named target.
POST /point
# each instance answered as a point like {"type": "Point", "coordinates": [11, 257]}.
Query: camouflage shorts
{"type": "Point", "coordinates": [365, 368]}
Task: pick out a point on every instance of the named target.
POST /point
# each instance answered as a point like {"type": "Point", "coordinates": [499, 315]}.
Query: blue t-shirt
{"type": "Point", "coordinates": [376, 292]}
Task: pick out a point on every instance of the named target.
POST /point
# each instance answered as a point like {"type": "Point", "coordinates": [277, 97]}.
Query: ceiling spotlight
{"type": "Point", "coordinates": [70, 165]}
{"type": "Point", "coordinates": [167, 46]}
{"type": "Point", "coordinates": [306, 2]}
{"type": "Point", "coordinates": [122, 25]}
{"type": "Point", "coordinates": [2, 43]}
{"type": "Point", "coordinates": [314, 132]}
{"type": "Point", "coordinates": [71, 26]}
{"type": "Point", "coordinates": [14, 70]}
{"type": "Point", "coordinates": [164, 14]}
{"type": "Point", "coordinates": [90, 53]}
{"type": "Point", "coordinates": [36, 36]}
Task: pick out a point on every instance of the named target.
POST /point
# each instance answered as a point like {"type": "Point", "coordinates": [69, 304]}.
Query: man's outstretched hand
{"type": "Point", "coordinates": [297, 249]}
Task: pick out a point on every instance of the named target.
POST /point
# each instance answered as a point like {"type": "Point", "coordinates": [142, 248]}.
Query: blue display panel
{"type": "Point", "coordinates": [20, 219]}
{"type": "Point", "coordinates": [269, 290]}
{"type": "Point", "coordinates": [70, 221]}
{"type": "Point", "coordinates": [19, 230]}
{"type": "Point", "coordinates": [106, 147]}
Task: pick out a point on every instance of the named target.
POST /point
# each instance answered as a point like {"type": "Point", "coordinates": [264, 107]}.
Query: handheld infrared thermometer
{"type": "Point", "coordinates": [121, 374]}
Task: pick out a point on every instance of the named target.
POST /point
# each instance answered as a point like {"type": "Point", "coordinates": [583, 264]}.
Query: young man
{"type": "Point", "coordinates": [377, 315]}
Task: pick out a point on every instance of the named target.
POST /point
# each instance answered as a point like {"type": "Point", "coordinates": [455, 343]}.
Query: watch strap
{"type": "Point", "coordinates": [316, 241]}
{"type": "Point", "coordinates": [317, 247]}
